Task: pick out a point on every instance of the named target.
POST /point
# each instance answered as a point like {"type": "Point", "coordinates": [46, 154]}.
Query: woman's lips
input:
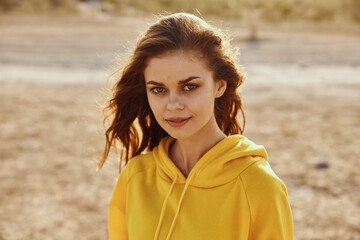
{"type": "Point", "coordinates": [177, 122]}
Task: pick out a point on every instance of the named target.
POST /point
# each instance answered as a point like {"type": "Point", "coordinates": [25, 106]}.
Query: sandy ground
{"type": "Point", "coordinates": [301, 101]}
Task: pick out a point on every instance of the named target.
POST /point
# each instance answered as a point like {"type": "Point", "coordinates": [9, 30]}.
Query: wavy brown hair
{"type": "Point", "coordinates": [132, 123]}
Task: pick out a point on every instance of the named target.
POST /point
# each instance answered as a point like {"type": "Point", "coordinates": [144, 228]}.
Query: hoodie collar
{"type": "Point", "coordinates": [221, 164]}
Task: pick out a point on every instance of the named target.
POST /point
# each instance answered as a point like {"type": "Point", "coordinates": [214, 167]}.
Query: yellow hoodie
{"type": "Point", "coordinates": [231, 193]}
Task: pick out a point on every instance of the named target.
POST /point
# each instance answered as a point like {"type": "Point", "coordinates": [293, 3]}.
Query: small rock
{"type": "Point", "coordinates": [322, 163]}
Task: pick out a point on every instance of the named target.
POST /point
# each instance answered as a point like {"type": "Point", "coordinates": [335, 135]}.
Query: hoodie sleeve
{"type": "Point", "coordinates": [270, 211]}
{"type": "Point", "coordinates": [117, 217]}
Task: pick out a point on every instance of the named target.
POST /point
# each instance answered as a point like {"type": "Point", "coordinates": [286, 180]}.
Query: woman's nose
{"type": "Point", "coordinates": [174, 103]}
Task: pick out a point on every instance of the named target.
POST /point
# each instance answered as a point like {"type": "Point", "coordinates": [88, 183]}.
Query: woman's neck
{"type": "Point", "coordinates": [185, 153]}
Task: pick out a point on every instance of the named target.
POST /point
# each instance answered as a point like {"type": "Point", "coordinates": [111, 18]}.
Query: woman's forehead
{"type": "Point", "coordinates": [178, 59]}
{"type": "Point", "coordinates": [175, 64]}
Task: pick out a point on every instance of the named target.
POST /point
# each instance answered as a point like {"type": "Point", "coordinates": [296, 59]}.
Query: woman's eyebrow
{"type": "Point", "coordinates": [180, 82]}
{"type": "Point", "coordinates": [187, 79]}
{"type": "Point", "coordinates": [155, 83]}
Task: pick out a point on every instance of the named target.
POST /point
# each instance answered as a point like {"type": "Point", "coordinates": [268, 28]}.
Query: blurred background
{"type": "Point", "coordinates": [301, 100]}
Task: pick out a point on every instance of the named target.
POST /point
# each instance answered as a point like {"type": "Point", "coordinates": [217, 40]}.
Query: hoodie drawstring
{"type": "Point", "coordinates": [163, 209]}
{"type": "Point", "coordinates": [177, 210]}
{"type": "Point", "coordinates": [179, 205]}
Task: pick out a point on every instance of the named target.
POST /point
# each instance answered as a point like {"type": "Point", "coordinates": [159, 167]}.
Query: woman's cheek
{"type": "Point", "coordinates": [200, 98]}
{"type": "Point", "coordinates": [157, 105]}
{"type": "Point", "coordinates": [152, 103]}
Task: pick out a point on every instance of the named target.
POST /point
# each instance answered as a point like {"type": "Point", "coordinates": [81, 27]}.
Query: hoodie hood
{"type": "Point", "coordinates": [221, 164]}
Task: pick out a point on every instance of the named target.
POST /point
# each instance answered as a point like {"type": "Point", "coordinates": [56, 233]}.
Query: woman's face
{"type": "Point", "coordinates": [181, 92]}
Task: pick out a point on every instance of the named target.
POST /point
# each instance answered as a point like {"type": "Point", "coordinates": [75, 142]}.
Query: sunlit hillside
{"type": "Point", "coordinates": [270, 10]}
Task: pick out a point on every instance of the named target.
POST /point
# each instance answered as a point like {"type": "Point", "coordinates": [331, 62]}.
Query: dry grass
{"type": "Point", "coordinates": [269, 10]}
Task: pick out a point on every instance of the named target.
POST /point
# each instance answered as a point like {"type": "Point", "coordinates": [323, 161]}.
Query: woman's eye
{"type": "Point", "coordinates": [190, 87]}
{"type": "Point", "coordinates": [158, 90]}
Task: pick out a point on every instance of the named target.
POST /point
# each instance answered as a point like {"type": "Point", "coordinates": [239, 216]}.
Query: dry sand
{"type": "Point", "coordinates": [301, 101]}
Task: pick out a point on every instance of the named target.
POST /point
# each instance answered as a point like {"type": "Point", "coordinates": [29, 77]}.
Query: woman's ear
{"type": "Point", "coordinates": [220, 86]}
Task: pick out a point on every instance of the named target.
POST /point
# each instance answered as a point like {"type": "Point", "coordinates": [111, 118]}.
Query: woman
{"type": "Point", "coordinates": [189, 172]}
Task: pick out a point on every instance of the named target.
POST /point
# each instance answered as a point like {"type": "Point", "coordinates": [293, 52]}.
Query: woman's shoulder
{"type": "Point", "coordinates": [259, 178]}
{"type": "Point", "coordinates": [139, 163]}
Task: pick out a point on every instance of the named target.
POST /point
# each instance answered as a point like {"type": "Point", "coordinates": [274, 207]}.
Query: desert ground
{"type": "Point", "coordinates": [301, 100]}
